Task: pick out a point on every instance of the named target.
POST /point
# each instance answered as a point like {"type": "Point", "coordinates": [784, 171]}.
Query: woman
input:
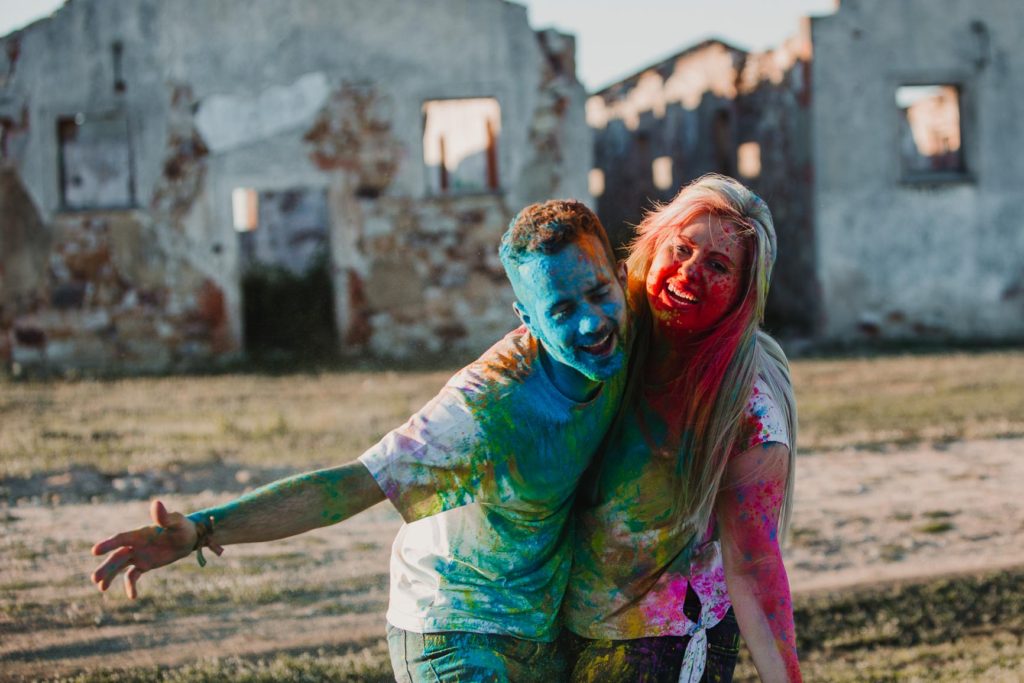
{"type": "Point", "coordinates": [700, 459]}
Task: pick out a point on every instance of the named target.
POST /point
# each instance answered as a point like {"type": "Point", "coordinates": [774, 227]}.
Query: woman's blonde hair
{"type": "Point", "coordinates": [713, 389]}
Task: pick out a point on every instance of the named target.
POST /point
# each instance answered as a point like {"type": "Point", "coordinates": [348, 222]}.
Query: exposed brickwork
{"type": "Point", "coordinates": [337, 114]}
{"type": "Point", "coordinates": [108, 299]}
{"type": "Point", "coordinates": [353, 133]}
{"type": "Point", "coordinates": [431, 280]}
{"type": "Point", "coordinates": [184, 167]}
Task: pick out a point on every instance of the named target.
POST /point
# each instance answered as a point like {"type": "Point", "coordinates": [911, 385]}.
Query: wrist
{"type": "Point", "coordinates": [204, 526]}
{"type": "Point", "coordinates": [203, 522]}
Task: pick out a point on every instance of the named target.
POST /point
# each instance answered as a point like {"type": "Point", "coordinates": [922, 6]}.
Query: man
{"type": "Point", "coordinates": [484, 475]}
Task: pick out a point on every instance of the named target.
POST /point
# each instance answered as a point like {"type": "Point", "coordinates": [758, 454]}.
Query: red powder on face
{"type": "Point", "coordinates": [696, 276]}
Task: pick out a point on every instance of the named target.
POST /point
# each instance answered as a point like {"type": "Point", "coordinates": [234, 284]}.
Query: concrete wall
{"type": "Point", "coordinates": [316, 95]}
{"type": "Point", "coordinates": [926, 258]}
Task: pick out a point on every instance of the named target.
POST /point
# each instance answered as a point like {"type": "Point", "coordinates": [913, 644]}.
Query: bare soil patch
{"type": "Point", "coordinates": [862, 519]}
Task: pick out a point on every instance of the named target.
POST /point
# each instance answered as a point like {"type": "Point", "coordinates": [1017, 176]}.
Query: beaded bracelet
{"type": "Point", "coordinates": [204, 529]}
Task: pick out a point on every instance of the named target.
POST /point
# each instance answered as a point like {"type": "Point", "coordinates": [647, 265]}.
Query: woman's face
{"type": "Point", "coordinates": [696, 276]}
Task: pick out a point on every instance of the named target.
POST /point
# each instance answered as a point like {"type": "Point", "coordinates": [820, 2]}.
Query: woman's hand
{"type": "Point", "coordinates": [172, 537]}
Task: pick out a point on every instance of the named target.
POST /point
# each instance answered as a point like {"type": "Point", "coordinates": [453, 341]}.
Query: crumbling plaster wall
{"type": "Point", "coordinates": [321, 94]}
{"type": "Point", "coordinates": [697, 108]}
{"type": "Point", "coordinates": [774, 113]}
{"type": "Point", "coordinates": [920, 260]}
{"type": "Point", "coordinates": [112, 288]}
{"type": "Point", "coordinates": [667, 109]}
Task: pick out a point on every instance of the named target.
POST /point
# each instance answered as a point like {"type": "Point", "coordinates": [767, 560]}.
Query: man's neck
{"type": "Point", "coordinates": [570, 382]}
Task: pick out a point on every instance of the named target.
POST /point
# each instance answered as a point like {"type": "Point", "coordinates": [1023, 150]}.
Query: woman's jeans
{"type": "Point", "coordinates": [651, 660]}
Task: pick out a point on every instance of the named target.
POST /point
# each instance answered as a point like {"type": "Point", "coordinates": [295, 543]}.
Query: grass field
{"type": "Point", "coordinates": [949, 631]}
{"type": "Point", "coordinates": [313, 419]}
{"type": "Point", "coordinates": [78, 456]}
{"type": "Point", "coordinates": [888, 400]}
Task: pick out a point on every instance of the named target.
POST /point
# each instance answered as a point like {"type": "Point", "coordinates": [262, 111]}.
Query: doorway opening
{"type": "Point", "coordinates": [287, 289]}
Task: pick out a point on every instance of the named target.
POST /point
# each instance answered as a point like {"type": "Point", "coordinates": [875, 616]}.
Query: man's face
{"type": "Point", "coordinates": [573, 302]}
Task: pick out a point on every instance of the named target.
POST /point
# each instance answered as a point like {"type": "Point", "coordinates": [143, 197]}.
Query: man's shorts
{"type": "Point", "coordinates": [452, 656]}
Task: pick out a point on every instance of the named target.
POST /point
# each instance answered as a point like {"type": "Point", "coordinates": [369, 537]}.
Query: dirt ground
{"type": "Point", "coordinates": [861, 517]}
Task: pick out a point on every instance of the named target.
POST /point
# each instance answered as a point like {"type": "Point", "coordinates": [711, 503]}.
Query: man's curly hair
{"type": "Point", "coordinates": [547, 227]}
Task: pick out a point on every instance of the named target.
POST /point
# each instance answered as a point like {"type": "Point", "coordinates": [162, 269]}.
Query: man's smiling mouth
{"type": "Point", "coordinates": [602, 347]}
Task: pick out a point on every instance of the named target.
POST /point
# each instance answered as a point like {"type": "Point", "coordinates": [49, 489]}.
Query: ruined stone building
{"type": "Point", "coordinates": [163, 163]}
{"type": "Point", "coordinates": [887, 139]}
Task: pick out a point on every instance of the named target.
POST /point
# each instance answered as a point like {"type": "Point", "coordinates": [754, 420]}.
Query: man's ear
{"type": "Point", "coordinates": [521, 313]}
{"type": "Point", "coordinates": [622, 274]}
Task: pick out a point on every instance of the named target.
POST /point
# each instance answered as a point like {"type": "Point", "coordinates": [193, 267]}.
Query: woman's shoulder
{"type": "Point", "coordinates": [764, 420]}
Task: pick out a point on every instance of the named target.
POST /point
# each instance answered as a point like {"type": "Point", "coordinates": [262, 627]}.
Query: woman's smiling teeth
{"type": "Point", "coordinates": [676, 291]}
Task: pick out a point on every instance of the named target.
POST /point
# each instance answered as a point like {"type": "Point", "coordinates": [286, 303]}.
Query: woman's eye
{"type": "Point", "coordinates": [683, 250]}
{"type": "Point", "coordinates": [719, 267]}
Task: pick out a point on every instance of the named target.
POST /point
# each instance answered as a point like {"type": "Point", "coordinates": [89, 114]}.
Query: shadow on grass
{"type": "Point", "coordinates": [901, 614]}
{"type": "Point", "coordinates": [364, 662]}
{"type": "Point", "coordinates": [861, 621]}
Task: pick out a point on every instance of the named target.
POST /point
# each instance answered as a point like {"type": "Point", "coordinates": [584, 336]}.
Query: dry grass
{"type": "Point", "coordinates": [152, 423]}
{"type": "Point", "coordinates": [309, 420]}
{"type": "Point", "coordinates": [368, 665]}
{"type": "Point", "coordinates": [874, 402]}
{"type": "Point", "coordinates": [968, 628]}
{"type": "Point", "coordinates": [325, 591]}
{"type": "Point", "coordinates": [950, 631]}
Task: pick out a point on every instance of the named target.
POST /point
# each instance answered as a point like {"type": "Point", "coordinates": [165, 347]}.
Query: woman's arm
{"type": "Point", "coordinates": [748, 508]}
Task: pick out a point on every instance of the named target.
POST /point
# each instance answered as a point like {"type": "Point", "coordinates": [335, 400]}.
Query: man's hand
{"type": "Point", "coordinates": [283, 508]}
{"type": "Point", "coordinates": [172, 537]}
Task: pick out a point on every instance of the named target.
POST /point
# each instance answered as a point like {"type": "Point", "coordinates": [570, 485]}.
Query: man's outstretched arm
{"type": "Point", "coordinates": [283, 508]}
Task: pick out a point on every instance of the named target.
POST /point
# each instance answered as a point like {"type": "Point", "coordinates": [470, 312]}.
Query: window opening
{"type": "Point", "coordinates": [460, 145]}
{"type": "Point", "coordinates": [748, 159]}
{"type": "Point", "coordinates": [661, 171]}
{"type": "Point", "coordinates": [245, 206]}
{"type": "Point", "coordinates": [595, 182]}
{"type": "Point", "coordinates": [930, 131]}
{"type": "Point", "coordinates": [117, 53]}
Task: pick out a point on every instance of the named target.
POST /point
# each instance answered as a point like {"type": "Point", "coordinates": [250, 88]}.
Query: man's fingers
{"type": "Point", "coordinates": [105, 573]}
{"type": "Point", "coordinates": [108, 544]}
{"type": "Point", "coordinates": [123, 539]}
{"type": "Point", "coordinates": [163, 518]}
{"type": "Point", "coordinates": [159, 513]}
{"type": "Point", "coordinates": [130, 581]}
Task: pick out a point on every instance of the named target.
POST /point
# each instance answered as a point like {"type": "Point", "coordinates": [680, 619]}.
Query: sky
{"type": "Point", "coordinates": [613, 39]}
{"type": "Point", "coordinates": [16, 13]}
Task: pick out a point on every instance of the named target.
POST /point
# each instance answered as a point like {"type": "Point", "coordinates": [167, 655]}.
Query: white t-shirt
{"type": "Point", "coordinates": [485, 476]}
